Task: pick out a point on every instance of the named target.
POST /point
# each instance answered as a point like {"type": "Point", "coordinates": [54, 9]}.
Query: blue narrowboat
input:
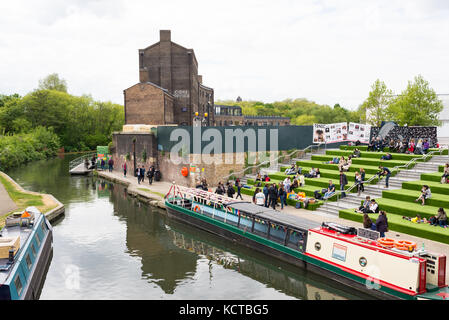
{"type": "Point", "coordinates": [26, 249]}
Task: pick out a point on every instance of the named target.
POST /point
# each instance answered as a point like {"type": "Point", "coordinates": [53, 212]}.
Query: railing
{"type": "Point", "coordinates": [338, 193]}
{"type": "Point", "coordinates": [76, 162]}
{"type": "Point", "coordinates": [290, 155]}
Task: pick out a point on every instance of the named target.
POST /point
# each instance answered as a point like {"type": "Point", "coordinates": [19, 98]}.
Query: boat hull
{"type": "Point", "coordinates": [263, 245]}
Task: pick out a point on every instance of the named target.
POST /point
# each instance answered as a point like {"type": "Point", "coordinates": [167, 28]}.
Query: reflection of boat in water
{"type": "Point", "coordinates": [26, 248]}
{"type": "Point", "coordinates": [338, 252]}
{"type": "Point", "coordinates": [297, 283]}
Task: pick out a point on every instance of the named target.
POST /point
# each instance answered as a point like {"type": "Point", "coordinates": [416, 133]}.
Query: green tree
{"type": "Point", "coordinates": [53, 82]}
{"type": "Point", "coordinates": [418, 105]}
{"type": "Point", "coordinates": [304, 120]}
{"type": "Point", "coordinates": [377, 103]}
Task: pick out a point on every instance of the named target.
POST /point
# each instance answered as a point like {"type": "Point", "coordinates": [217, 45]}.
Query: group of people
{"type": "Point", "coordinates": [445, 176]}
{"type": "Point", "coordinates": [418, 146]}
{"type": "Point", "coordinates": [439, 220]}
{"type": "Point", "coordinates": [140, 173]}
{"type": "Point", "coordinates": [269, 195]}
{"type": "Point", "coordinates": [229, 190]}
{"type": "Point", "coordinates": [343, 163]}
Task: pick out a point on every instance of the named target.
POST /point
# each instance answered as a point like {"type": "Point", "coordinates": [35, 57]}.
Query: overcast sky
{"type": "Point", "coordinates": [325, 51]}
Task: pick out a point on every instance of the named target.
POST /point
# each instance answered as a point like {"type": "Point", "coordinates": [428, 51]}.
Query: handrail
{"type": "Point", "coordinates": [78, 161]}
{"type": "Point", "coordinates": [424, 157]}
{"type": "Point", "coordinates": [275, 160]}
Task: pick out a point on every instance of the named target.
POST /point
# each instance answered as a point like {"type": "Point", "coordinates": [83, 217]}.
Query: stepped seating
{"type": "Point", "coordinates": [401, 202]}
{"type": "Point", "coordinates": [366, 161]}
{"type": "Point", "coordinates": [386, 149]}
{"type": "Point", "coordinates": [375, 155]}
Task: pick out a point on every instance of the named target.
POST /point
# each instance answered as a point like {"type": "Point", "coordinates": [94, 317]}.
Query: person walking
{"type": "Point", "coordinates": [283, 197]}
{"type": "Point", "coordinates": [239, 190]}
{"type": "Point", "coordinates": [142, 173]}
{"type": "Point", "coordinates": [110, 165]}
{"type": "Point", "coordinates": [272, 195]}
{"type": "Point", "coordinates": [138, 174]}
{"type": "Point", "coordinates": [343, 183]}
{"type": "Point", "coordinates": [362, 177]}
{"type": "Point", "coordinates": [124, 169]}
{"type": "Point", "coordinates": [384, 171]}
{"type": "Point", "coordinates": [150, 174]}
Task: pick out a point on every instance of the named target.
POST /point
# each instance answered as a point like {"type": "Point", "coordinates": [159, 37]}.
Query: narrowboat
{"type": "Point", "coordinates": [358, 258]}
{"type": "Point", "coordinates": [26, 249]}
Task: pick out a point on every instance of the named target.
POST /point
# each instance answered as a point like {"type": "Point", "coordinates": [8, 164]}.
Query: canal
{"type": "Point", "coordinates": [110, 246]}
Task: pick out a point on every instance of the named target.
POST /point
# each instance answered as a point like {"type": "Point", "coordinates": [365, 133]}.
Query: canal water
{"type": "Point", "coordinates": [110, 246]}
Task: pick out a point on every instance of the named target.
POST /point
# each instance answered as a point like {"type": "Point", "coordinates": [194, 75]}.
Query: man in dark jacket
{"type": "Point", "coordinates": [220, 189]}
{"type": "Point", "coordinates": [265, 192]}
{"type": "Point", "coordinates": [231, 190]}
{"type": "Point", "coordinates": [273, 196]}
{"type": "Point", "coordinates": [142, 173]}
{"type": "Point", "coordinates": [343, 183]}
{"type": "Point", "coordinates": [382, 223]}
{"type": "Point", "coordinates": [150, 174]}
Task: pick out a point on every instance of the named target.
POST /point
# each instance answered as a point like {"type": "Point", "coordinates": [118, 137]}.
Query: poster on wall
{"type": "Point", "coordinates": [330, 133]}
{"type": "Point", "coordinates": [360, 132]}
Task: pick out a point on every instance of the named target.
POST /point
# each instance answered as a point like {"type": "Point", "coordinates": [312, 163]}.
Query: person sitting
{"type": "Point", "coordinates": [346, 165]}
{"type": "Point", "coordinates": [440, 219]}
{"type": "Point", "coordinates": [418, 147]}
{"type": "Point", "coordinates": [317, 173]}
{"type": "Point", "coordinates": [311, 174]}
{"type": "Point", "coordinates": [425, 146]}
{"type": "Point", "coordinates": [291, 170]}
{"type": "Point", "coordinates": [378, 145]}
{"type": "Point", "coordinates": [294, 184]}
{"type": "Point", "coordinates": [388, 156]}
{"type": "Point", "coordinates": [403, 146]}
{"type": "Point", "coordinates": [365, 206]}
{"type": "Point", "coordinates": [342, 163]}
{"type": "Point", "coordinates": [266, 178]}
{"type": "Point", "coordinates": [302, 181]}
{"type": "Point", "coordinates": [416, 219]}
{"type": "Point", "coordinates": [356, 153]}
{"type": "Point", "coordinates": [411, 146]}
{"type": "Point", "coordinates": [333, 161]}
{"type": "Point", "coordinates": [373, 207]}
{"type": "Point", "coordinates": [330, 190]}
{"type": "Point", "coordinates": [258, 177]}
{"type": "Point", "coordinates": [287, 184]}
{"type": "Point", "coordinates": [357, 143]}
{"type": "Point", "coordinates": [371, 145]}
{"type": "Point", "coordinates": [445, 175]}
{"type": "Point", "coordinates": [425, 194]}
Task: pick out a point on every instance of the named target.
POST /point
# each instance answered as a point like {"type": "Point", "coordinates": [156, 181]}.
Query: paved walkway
{"type": "Point", "coordinates": [158, 189]}
{"type": "Point", "coordinates": [6, 203]}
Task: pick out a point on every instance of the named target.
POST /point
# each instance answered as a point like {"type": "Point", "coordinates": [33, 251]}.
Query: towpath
{"type": "Point", "coordinates": [6, 203]}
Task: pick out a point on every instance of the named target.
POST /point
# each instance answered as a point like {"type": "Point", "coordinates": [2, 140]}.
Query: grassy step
{"type": "Point", "coordinates": [409, 196]}
{"type": "Point", "coordinates": [311, 206]}
{"type": "Point", "coordinates": [325, 173]}
{"type": "Point", "coordinates": [375, 155]}
{"type": "Point", "coordinates": [353, 168]}
{"type": "Point", "coordinates": [435, 187]}
{"type": "Point", "coordinates": [436, 177]}
{"type": "Point", "coordinates": [319, 183]}
{"type": "Point", "coordinates": [396, 223]}
{"type": "Point", "coordinates": [366, 161]}
{"type": "Point", "coordinates": [406, 208]}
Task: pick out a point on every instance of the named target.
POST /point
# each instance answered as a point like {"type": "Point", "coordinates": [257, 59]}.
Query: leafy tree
{"type": "Point", "coordinates": [377, 102]}
{"type": "Point", "coordinates": [304, 120]}
{"type": "Point", "coordinates": [53, 82]}
{"type": "Point", "coordinates": [418, 105]}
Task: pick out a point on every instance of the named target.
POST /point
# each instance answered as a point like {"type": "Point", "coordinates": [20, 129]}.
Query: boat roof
{"type": "Point", "coordinates": [275, 216]}
{"type": "Point", "coordinates": [12, 232]}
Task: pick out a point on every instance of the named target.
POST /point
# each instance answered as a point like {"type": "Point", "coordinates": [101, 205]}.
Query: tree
{"type": "Point", "coordinates": [304, 120]}
{"type": "Point", "coordinates": [377, 102]}
{"type": "Point", "coordinates": [53, 82]}
{"type": "Point", "coordinates": [418, 105]}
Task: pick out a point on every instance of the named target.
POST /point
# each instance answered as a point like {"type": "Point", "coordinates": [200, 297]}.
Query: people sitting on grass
{"type": "Point", "coordinates": [418, 147]}
{"type": "Point", "coordinates": [318, 173]}
{"type": "Point", "coordinates": [266, 178]}
{"type": "Point", "coordinates": [411, 146]}
{"type": "Point", "coordinates": [342, 163]}
{"type": "Point", "coordinates": [356, 153]}
{"type": "Point", "coordinates": [301, 180]}
{"type": "Point", "coordinates": [347, 165]}
{"type": "Point", "coordinates": [258, 177]}
{"type": "Point", "coordinates": [371, 145]}
{"type": "Point", "coordinates": [335, 160]}
{"type": "Point", "coordinates": [379, 145]}
{"type": "Point", "coordinates": [425, 194]}
{"type": "Point", "coordinates": [311, 174]}
{"type": "Point", "coordinates": [365, 206]}
{"type": "Point", "coordinates": [416, 219]}
{"type": "Point", "coordinates": [373, 207]}
{"type": "Point", "coordinates": [294, 185]}
{"type": "Point", "coordinates": [403, 147]}
{"type": "Point", "coordinates": [292, 170]}
{"type": "Point", "coordinates": [445, 176]}
{"type": "Point", "coordinates": [387, 156]}
{"type": "Point", "coordinates": [330, 190]}
{"type": "Point", "coordinates": [287, 184]}
{"type": "Point", "coordinates": [440, 219]}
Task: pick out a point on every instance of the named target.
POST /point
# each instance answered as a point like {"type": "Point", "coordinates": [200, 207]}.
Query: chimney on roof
{"type": "Point", "coordinates": [165, 35]}
{"type": "Point", "coordinates": [200, 79]}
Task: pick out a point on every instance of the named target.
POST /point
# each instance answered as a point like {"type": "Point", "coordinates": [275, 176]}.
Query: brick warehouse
{"type": "Point", "coordinates": [170, 90]}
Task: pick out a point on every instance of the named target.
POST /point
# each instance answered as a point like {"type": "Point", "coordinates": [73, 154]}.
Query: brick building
{"type": "Point", "coordinates": [170, 90]}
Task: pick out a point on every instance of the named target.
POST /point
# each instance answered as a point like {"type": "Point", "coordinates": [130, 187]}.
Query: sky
{"type": "Point", "coordinates": [327, 51]}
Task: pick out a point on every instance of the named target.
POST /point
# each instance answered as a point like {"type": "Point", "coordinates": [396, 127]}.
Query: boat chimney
{"type": "Point", "coordinates": [11, 256]}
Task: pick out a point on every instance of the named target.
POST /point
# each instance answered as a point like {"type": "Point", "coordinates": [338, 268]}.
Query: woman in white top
{"type": "Point", "coordinates": [425, 194]}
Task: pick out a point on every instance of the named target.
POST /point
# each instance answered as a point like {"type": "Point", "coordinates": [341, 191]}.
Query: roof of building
{"type": "Point", "coordinates": [152, 84]}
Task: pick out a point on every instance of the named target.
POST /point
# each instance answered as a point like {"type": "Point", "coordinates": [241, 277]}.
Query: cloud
{"type": "Point", "coordinates": [327, 51]}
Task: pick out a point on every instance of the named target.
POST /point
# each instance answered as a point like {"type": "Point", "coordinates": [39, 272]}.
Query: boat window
{"type": "Point", "coordinates": [43, 226]}
{"type": "Point", "coordinates": [277, 233]}
{"type": "Point", "coordinates": [18, 285]}
{"type": "Point", "coordinates": [28, 260]}
{"type": "Point", "coordinates": [33, 250]}
{"type": "Point", "coordinates": [261, 227]}
{"type": "Point", "coordinates": [38, 239]}
{"type": "Point", "coordinates": [296, 240]}
{"type": "Point", "coordinates": [246, 222]}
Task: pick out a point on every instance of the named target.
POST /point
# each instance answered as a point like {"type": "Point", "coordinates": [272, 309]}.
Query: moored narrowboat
{"type": "Point", "coordinates": [26, 249]}
{"type": "Point", "coordinates": [358, 258]}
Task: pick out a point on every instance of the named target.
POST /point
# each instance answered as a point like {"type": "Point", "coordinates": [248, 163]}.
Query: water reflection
{"type": "Point", "coordinates": [110, 246]}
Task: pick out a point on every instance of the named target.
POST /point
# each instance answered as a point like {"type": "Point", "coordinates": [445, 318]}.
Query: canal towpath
{"type": "Point", "coordinates": [6, 203]}
{"type": "Point", "coordinates": [154, 195]}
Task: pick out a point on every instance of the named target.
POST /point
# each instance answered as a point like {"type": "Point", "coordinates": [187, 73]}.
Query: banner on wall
{"type": "Point", "coordinates": [330, 133]}
{"type": "Point", "coordinates": [360, 132]}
